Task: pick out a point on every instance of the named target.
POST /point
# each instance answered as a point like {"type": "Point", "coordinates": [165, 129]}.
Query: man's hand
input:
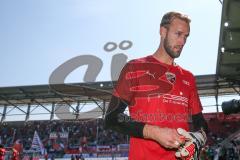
{"type": "Point", "coordinates": [167, 137]}
{"type": "Point", "coordinates": [193, 145]}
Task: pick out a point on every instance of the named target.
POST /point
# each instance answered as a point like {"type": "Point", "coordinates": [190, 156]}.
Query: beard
{"type": "Point", "coordinates": [169, 49]}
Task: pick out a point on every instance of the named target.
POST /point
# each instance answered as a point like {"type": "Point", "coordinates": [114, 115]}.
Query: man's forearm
{"type": "Point", "coordinates": [116, 119]}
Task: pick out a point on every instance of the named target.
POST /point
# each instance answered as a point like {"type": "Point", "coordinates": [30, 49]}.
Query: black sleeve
{"type": "Point", "coordinates": [115, 119]}
{"type": "Point", "coordinates": [199, 122]}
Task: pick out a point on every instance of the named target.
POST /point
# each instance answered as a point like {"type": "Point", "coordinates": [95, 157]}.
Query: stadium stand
{"type": "Point", "coordinates": [89, 139]}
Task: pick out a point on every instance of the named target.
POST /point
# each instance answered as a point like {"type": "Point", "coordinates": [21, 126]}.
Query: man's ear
{"type": "Point", "coordinates": [163, 32]}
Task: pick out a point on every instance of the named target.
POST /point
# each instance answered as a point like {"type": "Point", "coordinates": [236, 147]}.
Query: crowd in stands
{"type": "Point", "coordinates": [219, 130]}
{"type": "Point", "coordinates": [81, 134]}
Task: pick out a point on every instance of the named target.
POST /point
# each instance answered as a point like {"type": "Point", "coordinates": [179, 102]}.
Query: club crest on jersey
{"type": "Point", "coordinates": [170, 77]}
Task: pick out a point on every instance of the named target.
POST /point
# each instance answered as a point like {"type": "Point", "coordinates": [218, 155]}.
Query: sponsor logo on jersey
{"type": "Point", "coordinates": [171, 77]}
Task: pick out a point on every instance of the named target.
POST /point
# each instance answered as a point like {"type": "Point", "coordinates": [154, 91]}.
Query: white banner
{"type": "Point", "coordinates": [37, 143]}
{"type": "Point", "coordinates": [55, 135]}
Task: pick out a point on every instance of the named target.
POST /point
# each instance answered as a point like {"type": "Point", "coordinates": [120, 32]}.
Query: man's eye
{"type": "Point", "coordinates": [178, 34]}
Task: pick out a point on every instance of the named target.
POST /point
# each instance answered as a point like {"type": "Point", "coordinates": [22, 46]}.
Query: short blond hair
{"type": "Point", "coordinates": [170, 16]}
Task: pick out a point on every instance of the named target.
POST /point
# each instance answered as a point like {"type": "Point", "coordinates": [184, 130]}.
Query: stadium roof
{"type": "Point", "coordinates": [228, 65]}
{"type": "Point", "coordinates": [71, 96]}
{"type": "Point", "coordinates": [208, 85]}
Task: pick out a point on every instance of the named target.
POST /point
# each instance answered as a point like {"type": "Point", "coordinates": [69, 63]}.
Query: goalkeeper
{"type": "Point", "coordinates": [165, 121]}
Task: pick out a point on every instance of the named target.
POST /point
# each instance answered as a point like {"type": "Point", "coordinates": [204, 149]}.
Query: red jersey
{"type": "Point", "coordinates": [158, 94]}
{"type": "Point", "coordinates": [15, 155]}
{"type": "Point", "coordinates": [2, 153]}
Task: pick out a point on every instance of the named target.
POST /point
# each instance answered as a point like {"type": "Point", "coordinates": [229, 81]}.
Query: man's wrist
{"type": "Point", "coordinates": [149, 131]}
{"type": "Point", "coordinates": [146, 131]}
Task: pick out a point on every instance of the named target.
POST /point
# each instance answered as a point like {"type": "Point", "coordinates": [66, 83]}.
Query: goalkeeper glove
{"type": "Point", "coordinates": [194, 141]}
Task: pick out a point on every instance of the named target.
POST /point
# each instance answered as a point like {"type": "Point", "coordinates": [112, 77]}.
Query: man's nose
{"type": "Point", "coordinates": [182, 40]}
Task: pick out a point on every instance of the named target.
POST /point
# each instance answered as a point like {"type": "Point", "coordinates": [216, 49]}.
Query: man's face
{"type": "Point", "coordinates": [175, 38]}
